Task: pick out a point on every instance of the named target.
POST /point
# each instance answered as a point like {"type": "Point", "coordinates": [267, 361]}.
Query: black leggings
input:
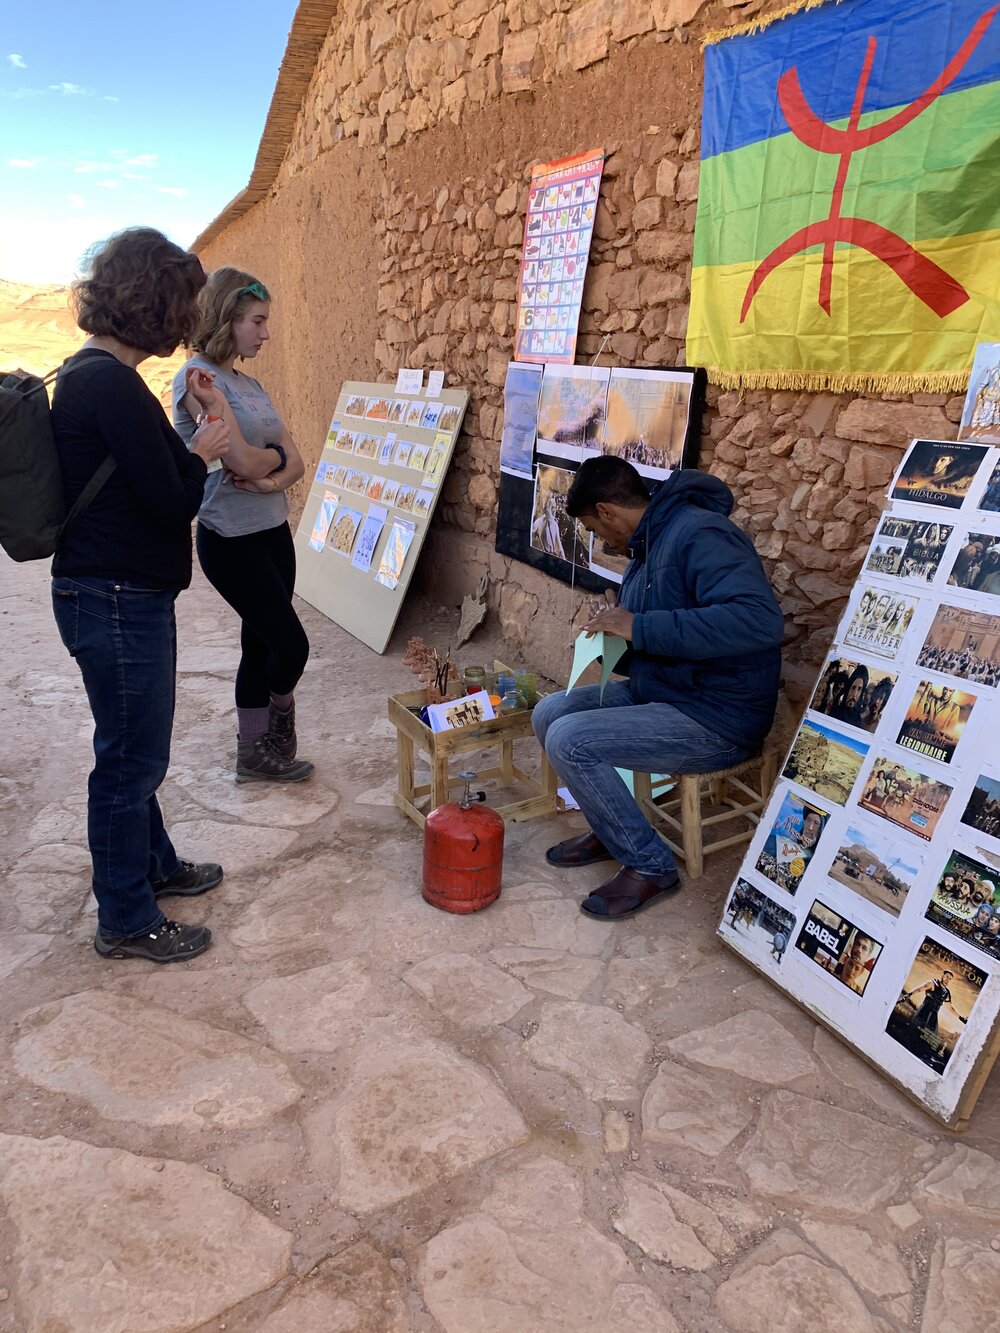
{"type": "Point", "coordinates": [256, 576]}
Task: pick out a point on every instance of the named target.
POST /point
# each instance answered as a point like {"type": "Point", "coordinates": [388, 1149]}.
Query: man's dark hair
{"type": "Point", "coordinates": [605, 480]}
{"type": "Point", "coordinates": [141, 289]}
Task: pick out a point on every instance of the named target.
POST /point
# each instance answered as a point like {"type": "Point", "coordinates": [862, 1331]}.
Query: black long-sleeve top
{"type": "Point", "coordinates": [138, 529]}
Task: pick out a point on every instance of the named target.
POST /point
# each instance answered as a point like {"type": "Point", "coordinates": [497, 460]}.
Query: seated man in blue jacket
{"type": "Point", "coordinates": [704, 633]}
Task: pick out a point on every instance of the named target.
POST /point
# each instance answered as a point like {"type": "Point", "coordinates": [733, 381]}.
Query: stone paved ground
{"type": "Point", "coordinates": [357, 1114]}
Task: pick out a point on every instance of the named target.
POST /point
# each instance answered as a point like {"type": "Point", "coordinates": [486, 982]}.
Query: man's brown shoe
{"type": "Point", "coordinates": [582, 850]}
{"type": "Point", "coordinates": [627, 893]}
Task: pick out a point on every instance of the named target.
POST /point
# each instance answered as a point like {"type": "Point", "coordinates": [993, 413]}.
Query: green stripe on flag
{"type": "Point", "coordinates": [938, 177]}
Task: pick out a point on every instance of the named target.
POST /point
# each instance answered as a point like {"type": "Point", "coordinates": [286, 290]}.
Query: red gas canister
{"type": "Point", "coordinates": [463, 853]}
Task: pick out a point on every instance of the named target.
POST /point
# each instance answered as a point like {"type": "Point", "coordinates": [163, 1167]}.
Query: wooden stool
{"type": "Point", "coordinates": [725, 787]}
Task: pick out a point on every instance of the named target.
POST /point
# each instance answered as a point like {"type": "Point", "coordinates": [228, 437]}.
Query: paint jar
{"type": "Point", "coordinates": [474, 679]}
{"type": "Point", "coordinates": [511, 702]}
{"type": "Point", "coordinates": [505, 683]}
{"type": "Point", "coordinates": [527, 687]}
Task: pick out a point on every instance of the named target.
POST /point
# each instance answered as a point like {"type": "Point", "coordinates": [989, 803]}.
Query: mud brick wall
{"type": "Point", "coordinates": [392, 236]}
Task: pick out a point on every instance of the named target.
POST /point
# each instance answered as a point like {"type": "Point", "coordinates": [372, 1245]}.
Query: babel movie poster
{"type": "Point", "coordinates": [838, 947]}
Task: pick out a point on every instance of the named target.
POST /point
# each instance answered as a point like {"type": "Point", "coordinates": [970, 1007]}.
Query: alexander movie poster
{"type": "Point", "coordinates": [935, 1004]}
{"type": "Point", "coordinates": [935, 720]}
{"type": "Point", "coordinates": [760, 919]}
{"type": "Point", "coordinates": [937, 472]}
{"type": "Point", "coordinates": [838, 947]}
{"type": "Point", "coordinates": [853, 692]}
{"type": "Point", "coordinates": [792, 842]}
{"type": "Point", "coordinates": [966, 902]}
{"type": "Point", "coordinates": [963, 643]}
{"type": "Point", "coordinates": [908, 548]}
{"type": "Point", "coordinates": [880, 621]}
{"type": "Point", "coordinates": [905, 797]}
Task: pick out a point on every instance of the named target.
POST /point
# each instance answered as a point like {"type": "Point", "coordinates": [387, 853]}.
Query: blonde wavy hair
{"type": "Point", "coordinates": [226, 295]}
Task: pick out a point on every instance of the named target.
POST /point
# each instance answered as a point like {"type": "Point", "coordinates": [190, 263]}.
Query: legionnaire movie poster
{"type": "Point", "coordinates": [977, 565]}
{"type": "Point", "coordinates": [935, 720]}
{"type": "Point", "coordinates": [838, 947]}
{"type": "Point", "coordinates": [937, 472]}
{"type": "Point", "coordinates": [905, 797]}
{"type": "Point", "coordinates": [963, 643]}
{"type": "Point", "coordinates": [935, 1004]}
{"type": "Point", "coordinates": [879, 865]}
{"type": "Point", "coordinates": [983, 810]}
{"type": "Point", "coordinates": [758, 917]}
{"type": "Point", "coordinates": [853, 692]}
{"type": "Point", "coordinates": [792, 842]}
{"type": "Point", "coordinates": [825, 761]}
{"type": "Point", "coordinates": [880, 621]}
{"type": "Point", "coordinates": [966, 902]}
{"type": "Point", "coordinates": [908, 548]}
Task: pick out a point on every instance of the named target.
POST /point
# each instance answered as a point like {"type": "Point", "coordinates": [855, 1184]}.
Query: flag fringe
{"type": "Point", "coordinates": [820, 381]}
{"type": "Point", "coordinates": [762, 21]}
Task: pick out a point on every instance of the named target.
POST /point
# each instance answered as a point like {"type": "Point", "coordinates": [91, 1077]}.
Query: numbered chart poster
{"type": "Point", "coordinates": [562, 206]}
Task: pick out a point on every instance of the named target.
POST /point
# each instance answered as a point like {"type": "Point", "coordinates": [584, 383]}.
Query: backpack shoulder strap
{"type": "Point", "coordinates": [87, 496]}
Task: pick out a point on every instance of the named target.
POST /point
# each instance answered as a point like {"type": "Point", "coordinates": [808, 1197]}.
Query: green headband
{"type": "Point", "coordinates": [255, 289]}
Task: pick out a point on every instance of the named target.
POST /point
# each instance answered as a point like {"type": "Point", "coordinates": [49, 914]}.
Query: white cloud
{"type": "Point", "coordinates": [71, 90]}
{"type": "Point", "coordinates": [76, 200]}
{"type": "Point", "coordinates": [107, 185]}
{"type": "Point", "coordinates": [148, 161]}
{"type": "Point", "coordinates": [16, 61]}
{"type": "Point", "coordinates": [24, 163]}
{"type": "Point", "coordinates": [178, 191]}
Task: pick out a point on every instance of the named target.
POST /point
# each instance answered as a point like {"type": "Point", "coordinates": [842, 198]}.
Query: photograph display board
{"type": "Point", "coordinates": [558, 226]}
{"type": "Point", "coordinates": [870, 892]}
{"type": "Point", "coordinates": [555, 417]}
{"type": "Point", "coordinates": [370, 503]}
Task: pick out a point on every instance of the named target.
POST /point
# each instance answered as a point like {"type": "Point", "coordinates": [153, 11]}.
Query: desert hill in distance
{"type": "Point", "coordinates": [38, 332]}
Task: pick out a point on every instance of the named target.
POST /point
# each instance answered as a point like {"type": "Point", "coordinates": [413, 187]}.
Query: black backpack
{"type": "Point", "coordinates": [33, 517]}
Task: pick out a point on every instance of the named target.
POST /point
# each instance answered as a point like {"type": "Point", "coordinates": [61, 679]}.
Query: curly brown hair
{"type": "Point", "coordinates": [225, 296]}
{"type": "Point", "coordinates": [140, 288]}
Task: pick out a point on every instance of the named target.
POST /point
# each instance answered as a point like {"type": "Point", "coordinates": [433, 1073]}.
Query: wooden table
{"type": "Point", "coordinates": [443, 746]}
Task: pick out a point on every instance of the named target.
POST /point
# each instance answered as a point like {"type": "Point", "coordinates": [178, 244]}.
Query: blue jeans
{"type": "Point", "coordinates": [124, 640]}
{"type": "Point", "coordinates": [586, 741]}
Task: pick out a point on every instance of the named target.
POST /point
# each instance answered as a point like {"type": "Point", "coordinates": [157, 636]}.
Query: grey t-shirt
{"type": "Point", "coordinates": [226, 510]}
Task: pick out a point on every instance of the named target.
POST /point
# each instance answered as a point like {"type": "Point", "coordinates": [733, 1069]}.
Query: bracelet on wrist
{"type": "Point", "coordinates": [282, 455]}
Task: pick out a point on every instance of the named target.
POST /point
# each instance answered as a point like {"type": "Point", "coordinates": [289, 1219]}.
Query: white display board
{"type": "Point", "coordinates": [871, 890]}
{"type": "Point", "coordinates": [371, 501]}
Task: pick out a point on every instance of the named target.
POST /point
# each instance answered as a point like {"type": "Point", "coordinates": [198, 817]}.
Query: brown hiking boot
{"type": "Point", "coordinates": [281, 729]}
{"type": "Point", "coordinates": [259, 761]}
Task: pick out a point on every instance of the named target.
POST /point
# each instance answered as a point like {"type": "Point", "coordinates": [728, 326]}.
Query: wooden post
{"type": "Point", "coordinates": [691, 824]}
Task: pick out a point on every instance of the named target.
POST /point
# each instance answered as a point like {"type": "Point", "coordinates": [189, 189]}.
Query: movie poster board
{"type": "Point", "coordinates": [870, 892]}
{"type": "Point", "coordinates": [558, 226]}
{"type": "Point", "coordinates": [371, 501]}
{"type": "Point", "coordinates": [649, 417]}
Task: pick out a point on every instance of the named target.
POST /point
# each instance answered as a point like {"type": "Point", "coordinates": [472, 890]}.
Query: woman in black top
{"type": "Point", "coordinates": [118, 572]}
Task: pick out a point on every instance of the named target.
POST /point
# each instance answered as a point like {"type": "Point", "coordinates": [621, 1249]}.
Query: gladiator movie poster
{"type": "Point", "coordinates": [908, 548]}
{"type": "Point", "coordinates": [880, 622]}
{"type": "Point", "coordinates": [935, 720]}
{"type": "Point", "coordinates": [760, 919]}
{"type": "Point", "coordinates": [792, 842]}
{"type": "Point", "coordinates": [853, 692]}
{"type": "Point", "coordinates": [963, 643]}
{"type": "Point", "coordinates": [905, 797]}
{"type": "Point", "coordinates": [838, 947]}
{"type": "Point", "coordinates": [940, 473]}
{"type": "Point", "coordinates": [936, 1002]}
{"type": "Point", "coordinates": [966, 902]}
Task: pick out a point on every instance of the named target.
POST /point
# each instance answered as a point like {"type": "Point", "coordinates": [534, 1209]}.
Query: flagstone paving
{"type": "Point", "coordinates": [357, 1114]}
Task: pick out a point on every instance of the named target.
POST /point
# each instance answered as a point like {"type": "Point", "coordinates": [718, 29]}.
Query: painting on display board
{"type": "Point", "coordinates": [882, 839]}
{"type": "Point", "coordinates": [387, 451]}
{"type": "Point", "coordinates": [652, 417]}
{"type": "Point", "coordinates": [558, 225]}
{"type": "Point", "coordinates": [981, 414]}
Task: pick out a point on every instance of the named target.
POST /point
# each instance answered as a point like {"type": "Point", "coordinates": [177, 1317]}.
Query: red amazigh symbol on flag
{"type": "Point", "coordinates": [936, 288]}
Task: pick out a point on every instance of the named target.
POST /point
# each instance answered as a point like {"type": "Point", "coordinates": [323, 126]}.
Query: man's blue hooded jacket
{"type": "Point", "coordinates": [707, 629]}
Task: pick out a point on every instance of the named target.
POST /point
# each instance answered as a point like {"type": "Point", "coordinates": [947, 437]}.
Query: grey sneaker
{"type": "Point", "coordinates": [258, 761]}
{"type": "Point", "coordinates": [188, 880]}
{"type": "Point", "coordinates": [169, 942]}
{"type": "Point", "coordinates": [281, 729]}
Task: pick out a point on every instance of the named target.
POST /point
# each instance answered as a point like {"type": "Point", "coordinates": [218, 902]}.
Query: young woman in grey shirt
{"type": "Point", "coordinates": [243, 539]}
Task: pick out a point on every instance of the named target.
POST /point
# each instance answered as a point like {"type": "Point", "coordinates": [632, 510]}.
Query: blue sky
{"type": "Point", "coordinates": [114, 114]}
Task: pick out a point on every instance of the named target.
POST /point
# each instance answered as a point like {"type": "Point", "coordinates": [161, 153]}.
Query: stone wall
{"type": "Point", "coordinates": [393, 237]}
